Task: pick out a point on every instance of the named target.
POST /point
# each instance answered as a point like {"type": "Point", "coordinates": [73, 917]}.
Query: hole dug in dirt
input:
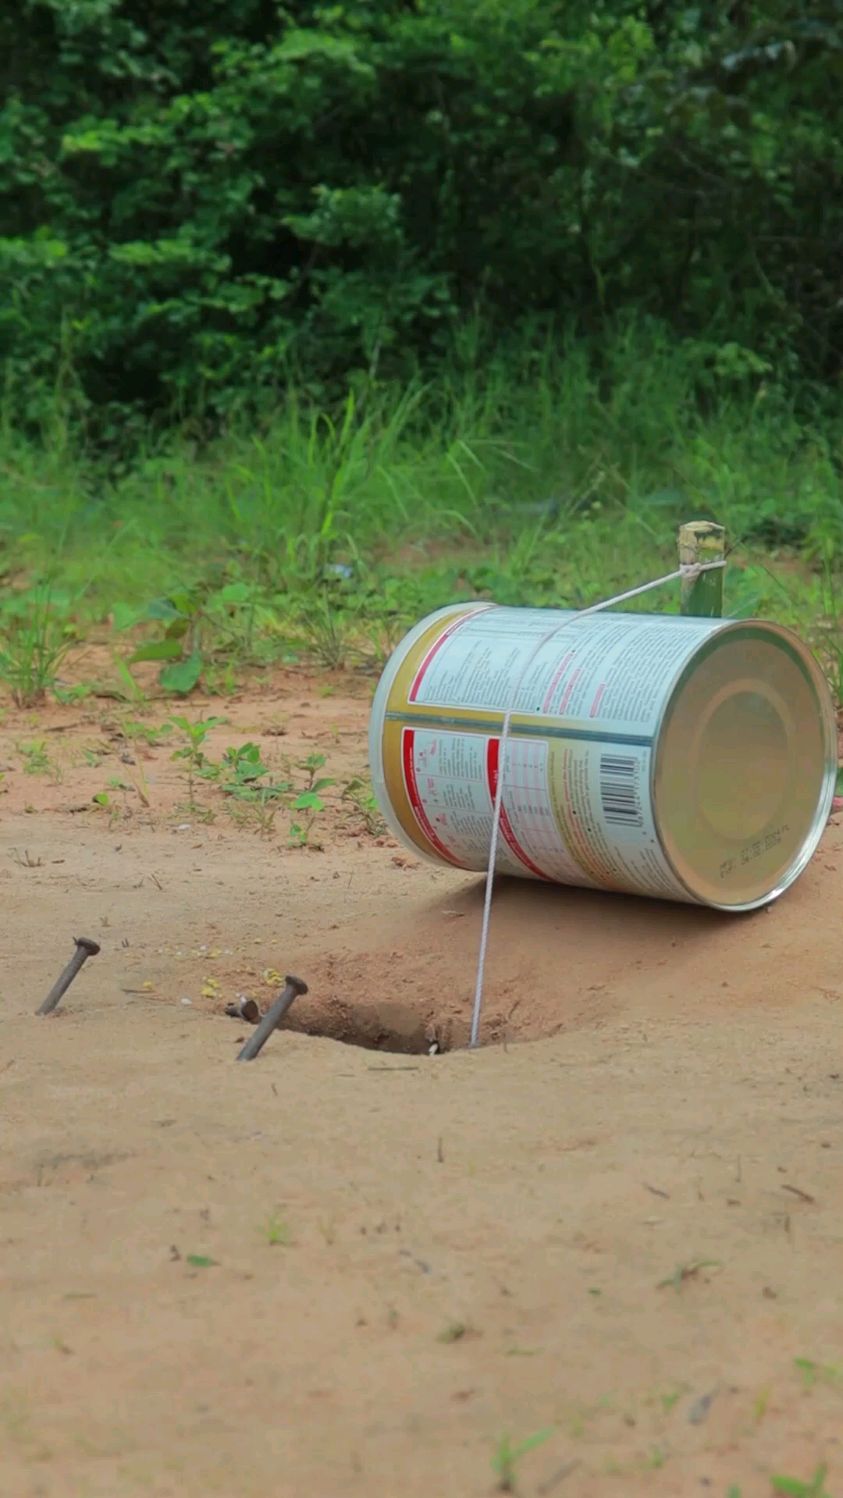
{"type": "Point", "coordinates": [395, 1028]}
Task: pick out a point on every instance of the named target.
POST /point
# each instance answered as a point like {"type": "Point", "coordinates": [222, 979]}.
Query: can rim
{"type": "Point", "coordinates": [377, 714]}
{"type": "Point", "coordinates": [806, 658]}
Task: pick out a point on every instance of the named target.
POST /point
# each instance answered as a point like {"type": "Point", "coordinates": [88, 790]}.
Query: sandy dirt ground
{"type": "Point", "coordinates": [362, 1269]}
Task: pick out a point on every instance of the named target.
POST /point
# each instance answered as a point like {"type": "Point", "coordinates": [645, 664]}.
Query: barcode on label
{"type": "Point", "coordinates": [619, 790]}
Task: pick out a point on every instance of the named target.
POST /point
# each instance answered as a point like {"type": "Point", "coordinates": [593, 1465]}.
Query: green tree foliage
{"type": "Point", "coordinates": [196, 194]}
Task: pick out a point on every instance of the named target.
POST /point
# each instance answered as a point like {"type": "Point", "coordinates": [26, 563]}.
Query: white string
{"type": "Point", "coordinates": [688, 571]}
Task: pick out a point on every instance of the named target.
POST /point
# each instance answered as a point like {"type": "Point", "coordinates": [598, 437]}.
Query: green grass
{"type": "Point", "coordinates": [813, 1373]}
{"type": "Point", "coordinates": [276, 1231]}
{"type": "Point", "coordinates": [453, 1332]}
{"type": "Point", "coordinates": [326, 533]}
{"type": "Point", "coordinates": [508, 1455]}
{"type": "Point", "coordinates": [794, 1486]}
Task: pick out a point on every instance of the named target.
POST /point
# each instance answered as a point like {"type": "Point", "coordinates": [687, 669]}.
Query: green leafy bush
{"type": "Point", "coordinates": [196, 199]}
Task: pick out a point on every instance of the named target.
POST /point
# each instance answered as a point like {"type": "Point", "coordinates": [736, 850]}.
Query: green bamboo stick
{"type": "Point", "coordinates": [702, 541]}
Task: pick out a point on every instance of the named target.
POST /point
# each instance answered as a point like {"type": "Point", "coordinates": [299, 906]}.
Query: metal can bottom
{"type": "Point", "coordinates": [743, 775]}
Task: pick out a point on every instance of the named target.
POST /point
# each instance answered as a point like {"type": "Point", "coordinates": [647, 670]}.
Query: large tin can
{"type": "Point", "coordinates": [687, 759]}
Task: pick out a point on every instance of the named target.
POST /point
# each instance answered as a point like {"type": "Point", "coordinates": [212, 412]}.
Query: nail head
{"type": "Point", "coordinates": [86, 942]}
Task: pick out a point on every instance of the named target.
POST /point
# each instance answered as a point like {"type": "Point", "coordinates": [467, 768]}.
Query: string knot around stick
{"type": "Point", "coordinates": [688, 571]}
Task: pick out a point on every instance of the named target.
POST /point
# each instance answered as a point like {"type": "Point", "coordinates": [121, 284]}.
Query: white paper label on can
{"type": "Point", "coordinates": [596, 673]}
{"type": "Point", "coordinates": [621, 817]}
{"type": "Point", "coordinates": [447, 779]}
{"type": "Point", "coordinates": [572, 812]}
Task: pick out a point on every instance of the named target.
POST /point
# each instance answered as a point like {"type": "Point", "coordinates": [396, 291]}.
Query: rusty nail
{"type": "Point", "coordinates": [272, 1018]}
{"type": "Point", "coordinates": [85, 948]}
